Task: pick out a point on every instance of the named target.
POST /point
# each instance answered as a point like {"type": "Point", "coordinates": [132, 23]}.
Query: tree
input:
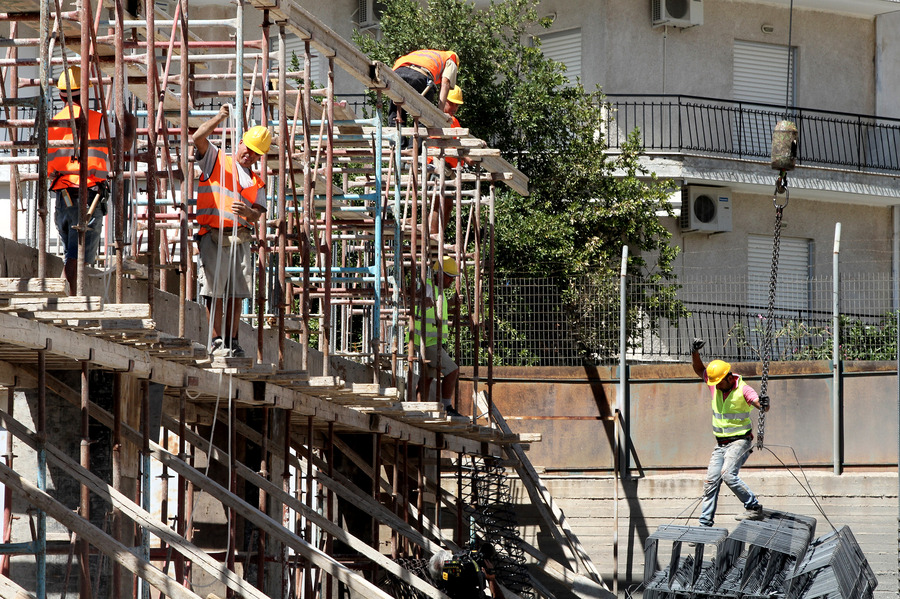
{"type": "Point", "coordinates": [584, 203]}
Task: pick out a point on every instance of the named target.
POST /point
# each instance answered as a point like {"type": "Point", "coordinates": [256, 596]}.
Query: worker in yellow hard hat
{"type": "Point", "coordinates": [231, 200]}
{"type": "Point", "coordinates": [732, 401]}
{"type": "Point", "coordinates": [436, 357]}
{"type": "Point", "coordinates": [65, 172]}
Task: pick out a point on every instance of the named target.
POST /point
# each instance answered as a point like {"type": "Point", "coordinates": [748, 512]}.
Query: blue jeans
{"type": "Point", "coordinates": [724, 466]}
{"type": "Point", "coordinates": [67, 217]}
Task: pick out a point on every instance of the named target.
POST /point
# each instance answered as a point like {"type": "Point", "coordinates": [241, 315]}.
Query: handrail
{"type": "Point", "coordinates": [737, 129]}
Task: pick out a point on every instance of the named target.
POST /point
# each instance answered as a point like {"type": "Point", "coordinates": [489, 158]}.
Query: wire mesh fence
{"type": "Point", "coordinates": [551, 322]}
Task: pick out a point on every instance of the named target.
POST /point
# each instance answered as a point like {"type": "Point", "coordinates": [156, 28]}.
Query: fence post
{"type": "Point", "coordinates": [836, 407]}
{"type": "Point", "coordinates": [619, 413]}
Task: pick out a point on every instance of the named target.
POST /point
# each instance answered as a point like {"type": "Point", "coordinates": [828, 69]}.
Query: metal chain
{"type": "Point", "coordinates": [780, 187]}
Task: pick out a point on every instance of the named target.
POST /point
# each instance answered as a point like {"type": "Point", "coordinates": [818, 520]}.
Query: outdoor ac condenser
{"type": "Point", "coordinates": [706, 209]}
{"type": "Point", "coordinates": [676, 13]}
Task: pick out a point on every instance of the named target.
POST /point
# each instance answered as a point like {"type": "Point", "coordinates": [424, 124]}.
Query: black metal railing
{"type": "Point", "coordinates": [714, 127]}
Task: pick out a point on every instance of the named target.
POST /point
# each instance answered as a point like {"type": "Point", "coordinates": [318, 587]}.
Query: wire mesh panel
{"type": "Point", "coordinates": [546, 322]}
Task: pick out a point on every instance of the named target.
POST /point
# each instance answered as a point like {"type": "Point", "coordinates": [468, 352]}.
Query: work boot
{"type": "Point", "coordinates": [236, 350]}
{"type": "Point", "coordinates": [217, 348]}
{"type": "Point", "coordinates": [753, 513]}
{"type": "Point", "coordinates": [451, 411]}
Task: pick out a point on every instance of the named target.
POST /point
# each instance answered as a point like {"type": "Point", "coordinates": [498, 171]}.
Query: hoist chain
{"type": "Point", "coordinates": [780, 187]}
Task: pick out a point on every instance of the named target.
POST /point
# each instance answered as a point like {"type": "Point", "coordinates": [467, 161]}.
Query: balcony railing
{"type": "Point", "coordinates": [721, 128]}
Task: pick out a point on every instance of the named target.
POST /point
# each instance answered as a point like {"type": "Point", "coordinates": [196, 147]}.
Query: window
{"type": "Point", "coordinates": [564, 47]}
{"type": "Point", "coordinates": [761, 73]}
{"type": "Point", "coordinates": [760, 76]}
{"type": "Point", "coordinates": [293, 45]}
{"type": "Point", "coordinates": [792, 289]}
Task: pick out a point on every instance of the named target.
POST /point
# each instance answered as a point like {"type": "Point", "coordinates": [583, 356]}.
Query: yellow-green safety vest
{"type": "Point", "coordinates": [431, 329]}
{"type": "Point", "coordinates": [731, 414]}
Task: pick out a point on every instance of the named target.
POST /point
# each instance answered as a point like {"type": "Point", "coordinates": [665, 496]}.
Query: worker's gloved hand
{"type": "Point", "coordinates": [764, 403]}
{"type": "Point", "coordinates": [697, 344]}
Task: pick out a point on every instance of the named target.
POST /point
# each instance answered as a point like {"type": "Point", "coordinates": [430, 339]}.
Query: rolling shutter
{"type": "Point", "coordinates": [294, 45]}
{"type": "Point", "coordinates": [792, 285]}
{"type": "Point", "coordinates": [760, 73]}
{"type": "Point", "coordinates": [564, 47]}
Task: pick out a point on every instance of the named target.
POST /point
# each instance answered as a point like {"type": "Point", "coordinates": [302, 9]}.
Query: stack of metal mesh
{"type": "Point", "coordinates": [772, 557]}
{"type": "Point", "coordinates": [487, 504]}
{"type": "Point", "coordinates": [834, 567]}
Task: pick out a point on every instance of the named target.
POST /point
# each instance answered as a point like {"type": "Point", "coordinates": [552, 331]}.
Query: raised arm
{"type": "Point", "coordinates": [697, 363]}
{"type": "Point", "coordinates": [201, 143]}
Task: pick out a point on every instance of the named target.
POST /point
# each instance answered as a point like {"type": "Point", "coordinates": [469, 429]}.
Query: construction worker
{"type": "Point", "coordinates": [231, 200]}
{"type": "Point", "coordinates": [436, 357]}
{"type": "Point", "coordinates": [425, 70]}
{"type": "Point", "coordinates": [65, 178]}
{"type": "Point", "coordinates": [734, 435]}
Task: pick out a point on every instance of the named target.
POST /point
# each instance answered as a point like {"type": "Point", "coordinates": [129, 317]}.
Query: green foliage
{"type": "Point", "coordinates": [584, 203]}
{"type": "Point", "coordinates": [799, 340]}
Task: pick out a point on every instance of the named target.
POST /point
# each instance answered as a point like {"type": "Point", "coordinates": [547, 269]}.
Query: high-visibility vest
{"type": "Point", "coordinates": [215, 196]}
{"type": "Point", "coordinates": [431, 329]}
{"type": "Point", "coordinates": [449, 160]}
{"type": "Point", "coordinates": [433, 61]}
{"type": "Point", "coordinates": [731, 413]}
{"type": "Point", "coordinates": [64, 161]}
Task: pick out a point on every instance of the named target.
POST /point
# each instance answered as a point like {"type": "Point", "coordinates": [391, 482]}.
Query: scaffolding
{"type": "Point", "coordinates": [322, 422]}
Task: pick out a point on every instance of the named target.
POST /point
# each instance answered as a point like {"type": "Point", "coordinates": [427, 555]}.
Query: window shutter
{"type": "Point", "coordinates": [564, 47]}
{"type": "Point", "coordinates": [760, 73]}
{"type": "Point", "coordinates": [792, 289]}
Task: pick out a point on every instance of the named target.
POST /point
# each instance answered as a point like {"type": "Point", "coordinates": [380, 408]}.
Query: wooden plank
{"type": "Point", "coordinates": [109, 312]}
{"type": "Point", "coordinates": [197, 556]}
{"type": "Point", "coordinates": [28, 304]}
{"type": "Point", "coordinates": [13, 376]}
{"type": "Point", "coordinates": [276, 492]}
{"type": "Point", "coordinates": [11, 590]}
{"type": "Point", "coordinates": [102, 541]}
{"type": "Point", "coordinates": [19, 287]}
{"type": "Point", "coordinates": [343, 486]}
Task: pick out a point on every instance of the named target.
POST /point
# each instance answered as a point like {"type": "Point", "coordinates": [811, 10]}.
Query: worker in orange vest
{"type": "Point", "coordinates": [426, 70]}
{"type": "Point", "coordinates": [231, 200]}
{"type": "Point", "coordinates": [63, 170]}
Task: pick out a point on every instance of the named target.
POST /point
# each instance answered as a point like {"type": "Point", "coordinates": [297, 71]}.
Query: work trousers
{"type": "Point", "coordinates": [724, 466]}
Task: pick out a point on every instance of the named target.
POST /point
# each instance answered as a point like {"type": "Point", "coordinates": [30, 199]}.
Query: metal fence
{"type": "Point", "coordinates": [546, 322]}
{"type": "Point", "coordinates": [710, 126]}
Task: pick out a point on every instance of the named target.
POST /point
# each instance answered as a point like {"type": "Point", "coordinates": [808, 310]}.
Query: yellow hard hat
{"type": "Point", "coordinates": [455, 95]}
{"type": "Point", "coordinates": [70, 80]}
{"type": "Point", "coordinates": [258, 139]}
{"type": "Point", "coordinates": [716, 371]}
{"type": "Point", "coordinates": [450, 267]}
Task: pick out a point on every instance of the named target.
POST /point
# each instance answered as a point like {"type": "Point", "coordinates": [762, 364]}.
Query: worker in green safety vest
{"type": "Point", "coordinates": [732, 401]}
{"type": "Point", "coordinates": [436, 357]}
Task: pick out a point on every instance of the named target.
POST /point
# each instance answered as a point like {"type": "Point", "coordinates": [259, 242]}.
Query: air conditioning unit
{"type": "Point", "coordinates": [677, 13]}
{"type": "Point", "coordinates": [368, 13]}
{"type": "Point", "coordinates": [706, 209]}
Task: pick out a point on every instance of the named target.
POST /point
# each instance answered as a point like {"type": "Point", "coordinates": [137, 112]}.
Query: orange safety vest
{"type": "Point", "coordinates": [450, 161]}
{"type": "Point", "coordinates": [215, 196]}
{"type": "Point", "coordinates": [64, 161]}
{"type": "Point", "coordinates": [433, 61]}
